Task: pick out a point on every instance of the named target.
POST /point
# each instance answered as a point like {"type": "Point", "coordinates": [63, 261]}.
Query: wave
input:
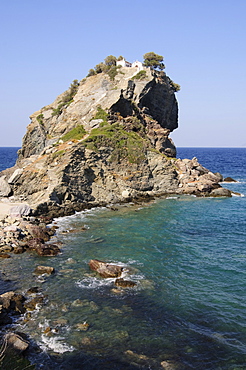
{"type": "Point", "coordinates": [92, 282]}
{"type": "Point", "coordinates": [55, 344]}
{"type": "Point", "coordinates": [240, 195]}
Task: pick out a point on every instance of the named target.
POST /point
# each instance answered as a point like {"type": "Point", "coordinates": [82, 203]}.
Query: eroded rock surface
{"type": "Point", "coordinates": [110, 143]}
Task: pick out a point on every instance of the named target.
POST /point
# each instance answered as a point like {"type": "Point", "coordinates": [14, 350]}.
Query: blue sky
{"type": "Point", "coordinates": [47, 44]}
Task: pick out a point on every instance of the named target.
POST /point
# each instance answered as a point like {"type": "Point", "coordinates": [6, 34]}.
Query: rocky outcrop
{"type": "Point", "coordinates": [125, 96]}
{"type": "Point", "coordinates": [22, 234]}
{"type": "Point", "coordinates": [106, 270]}
{"type": "Point", "coordinates": [109, 143]}
{"type": "Point", "coordinates": [196, 179]}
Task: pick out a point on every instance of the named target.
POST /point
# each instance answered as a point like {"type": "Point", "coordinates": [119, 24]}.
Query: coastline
{"type": "Point", "coordinates": [113, 207]}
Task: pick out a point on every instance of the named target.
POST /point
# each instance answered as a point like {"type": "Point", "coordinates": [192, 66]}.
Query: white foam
{"type": "Point", "coordinates": [91, 282]}
{"type": "Point", "coordinates": [240, 195]}
{"type": "Point", "coordinates": [134, 262]}
{"type": "Point", "coordinates": [55, 344]}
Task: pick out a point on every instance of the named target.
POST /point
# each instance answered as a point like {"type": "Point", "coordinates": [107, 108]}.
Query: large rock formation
{"type": "Point", "coordinates": [104, 141]}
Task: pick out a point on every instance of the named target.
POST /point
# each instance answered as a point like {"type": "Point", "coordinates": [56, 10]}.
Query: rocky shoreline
{"type": "Point", "coordinates": [109, 144]}
{"type": "Point", "coordinates": [21, 232]}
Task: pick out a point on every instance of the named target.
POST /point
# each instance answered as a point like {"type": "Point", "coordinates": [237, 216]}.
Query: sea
{"type": "Point", "coordinates": [187, 256]}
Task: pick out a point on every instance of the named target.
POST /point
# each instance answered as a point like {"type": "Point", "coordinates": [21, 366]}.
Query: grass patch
{"type": "Point", "coordinates": [101, 114]}
{"type": "Point", "coordinates": [76, 133]}
{"type": "Point", "coordinates": [57, 154]}
{"type": "Point", "coordinates": [141, 75]}
{"type": "Point", "coordinates": [126, 145]}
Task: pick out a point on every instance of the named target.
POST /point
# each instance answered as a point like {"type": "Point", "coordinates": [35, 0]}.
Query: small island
{"type": "Point", "coordinates": [106, 140]}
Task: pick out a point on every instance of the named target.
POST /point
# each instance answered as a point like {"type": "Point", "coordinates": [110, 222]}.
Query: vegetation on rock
{"type": "Point", "coordinates": [141, 75]}
{"type": "Point", "coordinates": [76, 133]}
{"type": "Point", "coordinates": [101, 114]}
{"type": "Point", "coordinates": [110, 60]}
{"type": "Point", "coordinates": [40, 118]}
{"type": "Point", "coordinates": [108, 66]}
{"type": "Point", "coordinates": [126, 145]}
{"type": "Point", "coordinates": [153, 60]}
{"type": "Point", "coordinates": [175, 87]}
{"type": "Point", "coordinates": [67, 98]}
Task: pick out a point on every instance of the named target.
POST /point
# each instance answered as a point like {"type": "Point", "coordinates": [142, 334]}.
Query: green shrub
{"type": "Point", "coordinates": [57, 111]}
{"type": "Point", "coordinates": [91, 72]}
{"type": "Point", "coordinates": [40, 118]}
{"type": "Point", "coordinates": [141, 75]}
{"type": "Point", "coordinates": [76, 133]}
{"type": "Point", "coordinates": [174, 86]}
{"type": "Point", "coordinates": [153, 60]}
{"type": "Point", "coordinates": [67, 98]}
{"type": "Point", "coordinates": [112, 72]}
{"type": "Point", "coordinates": [110, 60]}
{"type": "Point", "coordinates": [108, 66]}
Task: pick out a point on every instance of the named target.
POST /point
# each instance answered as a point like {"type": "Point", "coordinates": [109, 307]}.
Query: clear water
{"type": "Point", "coordinates": [188, 258]}
{"type": "Point", "coordinates": [8, 156]}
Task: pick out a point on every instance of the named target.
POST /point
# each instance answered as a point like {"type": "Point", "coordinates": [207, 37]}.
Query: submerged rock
{"type": "Point", "coordinates": [39, 270]}
{"type": "Point", "coordinates": [171, 365]}
{"type": "Point", "coordinates": [32, 303]}
{"type": "Point", "coordinates": [125, 283]}
{"type": "Point", "coordinates": [82, 326]}
{"type": "Point", "coordinates": [105, 269]}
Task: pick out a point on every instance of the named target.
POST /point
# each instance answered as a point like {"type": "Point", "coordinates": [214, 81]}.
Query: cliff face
{"type": "Point", "coordinates": [151, 98]}
{"type": "Point", "coordinates": [103, 142]}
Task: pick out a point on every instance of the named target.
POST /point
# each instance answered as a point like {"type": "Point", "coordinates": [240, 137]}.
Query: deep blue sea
{"type": "Point", "coordinates": [188, 258]}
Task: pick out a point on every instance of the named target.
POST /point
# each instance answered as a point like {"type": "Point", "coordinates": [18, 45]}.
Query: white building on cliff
{"type": "Point", "coordinates": [138, 65]}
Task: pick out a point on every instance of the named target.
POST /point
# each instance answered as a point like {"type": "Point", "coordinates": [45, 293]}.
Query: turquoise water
{"type": "Point", "coordinates": [188, 258]}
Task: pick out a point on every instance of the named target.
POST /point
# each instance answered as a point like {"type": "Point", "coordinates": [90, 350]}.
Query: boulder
{"type": "Point", "coordinates": [11, 228]}
{"type": "Point", "coordinates": [34, 243]}
{"type": "Point", "coordinates": [5, 189]}
{"type": "Point", "coordinates": [16, 342]}
{"type": "Point", "coordinates": [220, 192]}
{"type": "Point", "coordinates": [19, 211]}
{"type": "Point", "coordinates": [38, 232]}
{"type": "Point", "coordinates": [229, 179]}
{"type": "Point", "coordinates": [15, 176]}
{"type": "Point", "coordinates": [4, 255]}
{"type": "Point", "coordinates": [33, 290]}
{"type": "Point", "coordinates": [47, 250]}
{"type": "Point", "coordinates": [105, 269]}
{"type": "Point", "coordinates": [12, 302]}
{"type": "Point", "coordinates": [39, 270]}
